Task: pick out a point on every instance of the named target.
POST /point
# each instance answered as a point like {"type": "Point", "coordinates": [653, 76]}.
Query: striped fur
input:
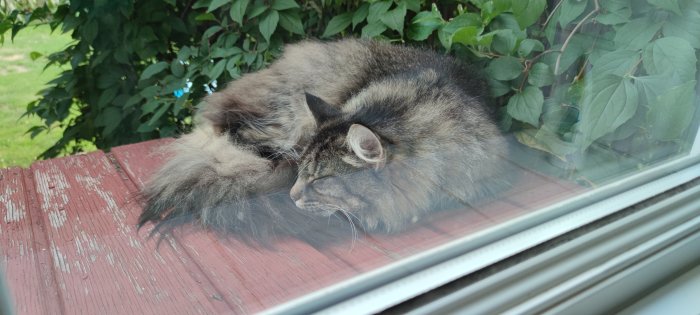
{"type": "Point", "coordinates": [257, 141]}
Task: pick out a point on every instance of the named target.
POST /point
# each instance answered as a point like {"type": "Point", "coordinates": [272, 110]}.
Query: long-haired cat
{"type": "Point", "coordinates": [376, 133]}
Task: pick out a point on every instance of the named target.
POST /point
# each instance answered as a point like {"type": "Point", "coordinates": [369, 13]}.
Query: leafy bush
{"type": "Point", "coordinates": [583, 80]}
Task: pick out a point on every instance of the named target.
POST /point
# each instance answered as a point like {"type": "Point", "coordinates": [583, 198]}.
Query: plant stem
{"type": "Point", "coordinates": [571, 35]}
{"type": "Point", "coordinates": [551, 14]}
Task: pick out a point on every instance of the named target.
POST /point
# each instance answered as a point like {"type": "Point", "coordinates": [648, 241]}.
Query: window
{"type": "Point", "coordinates": [599, 100]}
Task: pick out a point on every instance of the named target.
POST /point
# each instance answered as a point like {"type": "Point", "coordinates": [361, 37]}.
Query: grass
{"type": "Point", "coordinates": [21, 79]}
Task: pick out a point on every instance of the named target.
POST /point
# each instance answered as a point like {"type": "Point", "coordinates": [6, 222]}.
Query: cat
{"type": "Point", "coordinates": [365, 132]}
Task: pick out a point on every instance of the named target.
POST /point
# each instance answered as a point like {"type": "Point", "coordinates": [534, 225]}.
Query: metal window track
{"type": "Point", "coordinates": [596, 273]}
{"type": "Point", "coordinates": [387, 286]}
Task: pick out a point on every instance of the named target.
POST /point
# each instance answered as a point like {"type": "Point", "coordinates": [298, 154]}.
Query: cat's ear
{"type": "Point", "coordinates": [366, 145]}
{"type": "Point", "coordinates": [321, 110]}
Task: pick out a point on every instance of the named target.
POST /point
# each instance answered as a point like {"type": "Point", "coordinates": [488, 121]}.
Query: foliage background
{"type": "Point", "coordinates": [605, 83]}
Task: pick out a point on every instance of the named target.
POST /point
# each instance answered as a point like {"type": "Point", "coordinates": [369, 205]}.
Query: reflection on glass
{"type": "Point", "coordinates": [364, 139]}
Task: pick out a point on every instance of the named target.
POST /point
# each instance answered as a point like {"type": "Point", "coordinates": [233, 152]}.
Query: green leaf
{"type": "Point", "coordinates": [360, 14]}
{"type": "Point", "coordinates": [150, 91]}
{"type": "Point", "coordinates": [238, 10]}
{"type": "Point", "coordinates": [652, 86]}
{"type": "Point", "coordinates": [153, 69]}
{"type": "Point", "coordinates": [497, 88]}
{"type": "Point", "coordinates": [526, 106]}
{"type": "Point", "coordinates": [529, 45]}
{"type": "Point", "coordinates": [107, 96]}
{"type": "Point", "coordinates": [292, 22]}
{"type": "Point", "coordinates": [280, 5]}
{"type": "Point", "coordinates": [215, 4]}
{"type": "Point", "coordinates": [413, 5]}
{"type": "Point", "coordinates": [570, 10]}
{"type": "Point", "coordinates": [507, 21]}
{"type": "Point", "coordinates": [113, 117]}
{"type": "Point", "coordinates": [670, 5]}
{"type": "Point", "coordinates": [671, 113]}
{"type": "Point", "coordinates": [551, 29]}
{"type": "Point", "coordinates": [502, 5]}
{"type": "Point", "coordinates": [504, 41]}
{"type": "Point", "coordinates": [34, 55]}
{"type": "Point", "coordinates": [636, 34]}
{"type": "Point", "coordinates": [337, 24]}
{"type": "Point", "coordinates": [463, 20]}
{"type": "Point", "coordinates": [373, 29]}
{"type": "Point", "coordinates": [540, 75]}
{"type": "Point", "coordinates": [232, 67]}
{"type": "Point", "coordinates": [225, 52]}
{"type": "Point", "coordinates": [177, 69]}
{"type": "Point", "coordinates": [205, 17]}
{"type": "Point", "coordinates": [466, 35]}
{"type": "Point", "coordinates": [268, 24]}
{"type": "Point", "coordinates": [377, 10]}
{"type": "Point", "coordinates": [394, 18]}
{"type": "Point", "coordinates": [608, 103]}
{"type": "Point", "coordinates": [217, 70]}
{"type": "Point", "coordinates": [211, 31]}
{"type": "Point", "coordinates": [145, 128]}
{"type": "Point", "coordinates": [90, 30]}
{"type": "Point", "coordinates": [258, 8]}
{"type": "Point", "coordinates": [504, 68]}
{"type": "Point", "coordinates": [686, 27]}
{"type": "Point", "coordinates": [545, 140]}
{"type": "Point", "coordinates": [617, 62]}
{"type": "Point", "coordinates": [614, 12]}
{"type": "Point", "coordinates": [671, 55]}
{"type": "Point", "coordinates": [164, 108]}
{"type": "Point", "coordinates": [527, 12]}
{"type": "Point", "coordinates": [424, 24]}
{"type": "Point", "coordinates": [491, 9]}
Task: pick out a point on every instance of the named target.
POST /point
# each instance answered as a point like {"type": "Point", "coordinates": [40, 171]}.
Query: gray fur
{"type": "Point", "coordinates": [235, 172]}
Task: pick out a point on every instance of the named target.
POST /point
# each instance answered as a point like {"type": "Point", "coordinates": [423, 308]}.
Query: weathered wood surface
{"type": "Point", "coordinates": [69, 244]}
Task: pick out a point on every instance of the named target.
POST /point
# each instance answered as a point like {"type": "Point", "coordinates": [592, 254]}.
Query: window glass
{"type": "Point", "coordinates": [331, 161]}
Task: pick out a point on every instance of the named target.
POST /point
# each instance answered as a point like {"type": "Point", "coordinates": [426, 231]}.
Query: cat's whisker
{"type": "Point", "coordinates": [353, 229]}
{"type": "Point", "coordinates": [349, 216]}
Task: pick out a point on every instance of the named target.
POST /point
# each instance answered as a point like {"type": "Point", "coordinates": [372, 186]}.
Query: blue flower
{"type": "Point", "coordinates": [180, 92]}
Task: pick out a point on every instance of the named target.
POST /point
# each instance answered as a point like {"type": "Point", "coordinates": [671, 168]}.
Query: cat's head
{"type": "Point", "coordinates": [339, 169]}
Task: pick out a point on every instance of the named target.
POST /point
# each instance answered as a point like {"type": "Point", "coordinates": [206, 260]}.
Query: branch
{"type": "Point", "coordinates": [571, 35]}
{"type": "Point", "coordinates": [551, 14]}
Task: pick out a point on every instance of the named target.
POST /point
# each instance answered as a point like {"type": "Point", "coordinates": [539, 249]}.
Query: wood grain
{"type": "Point", "coordinates": [21, 258]}
{"type": "Point", "coordinates": [99, 261]}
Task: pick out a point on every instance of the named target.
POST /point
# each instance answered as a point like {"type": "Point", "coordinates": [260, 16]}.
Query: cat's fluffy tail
{"type": "Point", "coordinates": [227, 187]}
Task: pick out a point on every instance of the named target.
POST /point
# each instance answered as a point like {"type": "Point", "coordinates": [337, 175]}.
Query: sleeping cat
{"type": "Point", "coordinates": [376, 133]}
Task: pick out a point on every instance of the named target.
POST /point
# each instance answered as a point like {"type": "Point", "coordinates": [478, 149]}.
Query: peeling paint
{"type": "Point", "coordinates": [59, 259]}
{"type": "Point", "coordinates": [137, 286]}
{"type": "Point", "coordinates": [133, 242]}
{"type": "Point", "coordinates": [52, 186]}
{"type": "Point", "coordinates": [57, 218]}
{"type": "Point", "coordinates": [110, 258]}
{"type": "Point", "coordinates": [93, 184]}
{"type": "Point", "coordinates": [79, 246]}
{"type": "Point", "coordinates": [13, 212]}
